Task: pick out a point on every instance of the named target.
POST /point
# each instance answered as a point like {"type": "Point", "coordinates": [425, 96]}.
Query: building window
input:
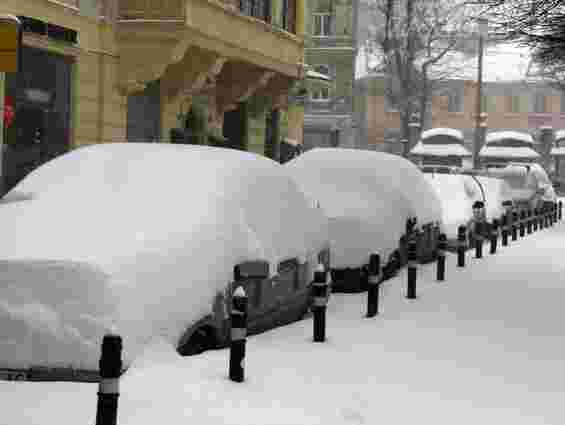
{"type": "Point", "coordinates": [320, 95]}
{"type": "Point", "coordinates": [322, 24]}
{"type": "Point", "coordinates": [324, 69]}
{"type": "Point", "coordinates": [289, 15]}
{"type": "Point", "coordinates": [455, 100]}
{"type": "Point", "coordinates": [513, 104]}
{"type": "Point", "coordinates": [260, 9]}
{"type": "Point", "coordinates": [539, 103]}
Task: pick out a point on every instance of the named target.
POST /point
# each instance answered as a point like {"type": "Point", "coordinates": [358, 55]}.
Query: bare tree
{"type": "Point", "coordinates": [414, 49]}
{"type": "Point", "coordinates": [539, 24]}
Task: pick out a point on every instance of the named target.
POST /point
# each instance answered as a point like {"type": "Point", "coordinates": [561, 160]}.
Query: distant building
{"type": "Point", "coordinates": [97, 71]}
{"type": "Point", "coordinates": [331, 49]}
{"type": "Point", "coordinates": [512, 98]}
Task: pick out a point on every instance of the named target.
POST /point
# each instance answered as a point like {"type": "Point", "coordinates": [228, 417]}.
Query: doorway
{"type": "Point", "coordinates": [41, 93]}
{"type": "Point", "coordinates": [235, 127]}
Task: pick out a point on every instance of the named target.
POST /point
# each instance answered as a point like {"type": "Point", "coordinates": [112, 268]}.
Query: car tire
{"type": "Point", "coordinates": [201, 340]}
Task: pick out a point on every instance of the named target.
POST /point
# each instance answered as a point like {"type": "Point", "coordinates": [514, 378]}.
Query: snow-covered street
{"type": "Point", "coordinates": [486, 346]}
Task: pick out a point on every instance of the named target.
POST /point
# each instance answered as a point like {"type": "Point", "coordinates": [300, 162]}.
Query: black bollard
{"type": "Point", "coordinates": [504, 222]}
{"type": "Point", "coordinates": [552, 214]}
{"type": "Point", "coordinates": [545, 217]}
{"type": "Point", "coordinates": [319, 303]}
{"type": "Point", "coordinates": [479, 225]}
{"type": "Point", "coordinates": [529, 222]}
{"type": "Point", "coordinates": [560, 215]}
{"type": "Point", "coordinates": [238, 335]}
{"type": "Point", "coordinates": [412, 269]}
{"type": "Point", "coordinates": [461, 246]}
{"type": "Point", "coordinates": [522, 223]}
{"type": "Point", "coordinates": [493, 236]}
{"type": "Point", "coordinates": [541, 219]}
{"type": "Point", "coordinates": [514, 225]}
{"type": "Point", "coordinates": [441, 248]}
{"type": "Point", "coordinates": [536, 219]}
{"type": "Point", "coordinates": [374, 282]}
{"type": "Point", "coordinates": [108, 389]}
{"type": "Point", "coordinates": [555, 214]}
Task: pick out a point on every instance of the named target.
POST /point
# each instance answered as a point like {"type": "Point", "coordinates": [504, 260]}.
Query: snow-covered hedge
{"type": "Point", "coordinates": [137, 238]}
{"type": "Point", "coordinates": [367, 197]}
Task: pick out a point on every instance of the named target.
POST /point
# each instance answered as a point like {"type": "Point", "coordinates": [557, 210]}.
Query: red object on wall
{"type": "Point", "coordinates": [9, 113]}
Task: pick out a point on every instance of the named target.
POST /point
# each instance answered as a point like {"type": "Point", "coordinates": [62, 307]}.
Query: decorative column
{"type": "Point", "coordinates": [547, 137]}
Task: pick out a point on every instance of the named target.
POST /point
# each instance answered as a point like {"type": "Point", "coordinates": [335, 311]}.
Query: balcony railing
{"type": "Point", "coordinates": [175, 9]}
{"type": "Point", "coordinates": [152, 9]}
{"type": "Point", "coordinates": [261, 9]}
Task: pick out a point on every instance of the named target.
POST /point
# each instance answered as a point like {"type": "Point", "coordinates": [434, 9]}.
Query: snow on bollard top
{"type": "Point", "coordinates": [239, 292]}
{"type": "Point", "coordinates": [320, 268]}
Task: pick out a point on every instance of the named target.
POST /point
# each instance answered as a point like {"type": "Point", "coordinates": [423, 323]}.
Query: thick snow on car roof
{"type": "Point", "coordinates": [367, 196]}
{"type": "Point", "coordinates": [508, 152]}
{"type": "Point", "coordinates": [497, 136]}
{"type": "Point", "coordinates": [139, 238]}
{"type": "Point", "coordinates": [443, 150]}
{"type": "Point", "coordinates": [440, 131]}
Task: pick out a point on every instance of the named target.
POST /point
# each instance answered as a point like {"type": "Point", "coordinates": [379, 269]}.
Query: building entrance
{"type": "Point", "coordinates": [41, 95]}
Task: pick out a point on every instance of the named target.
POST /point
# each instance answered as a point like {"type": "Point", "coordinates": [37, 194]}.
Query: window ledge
{"type": "Point", "coordinates": [69, 7]}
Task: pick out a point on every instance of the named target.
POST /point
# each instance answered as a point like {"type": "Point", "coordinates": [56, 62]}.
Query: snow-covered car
{"type": "Point", "coordinates": [142, 240]}
{"type": "Point", "coordinates": [458, 193]}
{"type": "Point", "coordinates": [529, 184]}
{"type": "Point", "coordinates": [367, 197]}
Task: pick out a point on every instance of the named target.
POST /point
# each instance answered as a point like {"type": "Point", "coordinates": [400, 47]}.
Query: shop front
{"type": "Point", "coordinates": [37, 120]}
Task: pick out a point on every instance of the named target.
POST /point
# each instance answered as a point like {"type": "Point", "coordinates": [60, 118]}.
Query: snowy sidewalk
{"type": "Point", "coordinates": [484, 347]}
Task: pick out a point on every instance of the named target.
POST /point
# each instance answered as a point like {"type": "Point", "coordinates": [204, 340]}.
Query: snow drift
{"type": "Point", "coordinates": [458, 192]}
{"type": "Point", "coordinates": [367, 197]}
{"type": "Point", "coordinates": [137, 239]}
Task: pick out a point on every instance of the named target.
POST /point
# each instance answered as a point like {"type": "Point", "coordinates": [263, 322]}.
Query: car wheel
{"type": "Point", "coordinates": [200, 341]}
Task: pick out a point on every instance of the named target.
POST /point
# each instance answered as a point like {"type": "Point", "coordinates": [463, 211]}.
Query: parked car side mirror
{"type": "Point", "coordinates": [258, 269]}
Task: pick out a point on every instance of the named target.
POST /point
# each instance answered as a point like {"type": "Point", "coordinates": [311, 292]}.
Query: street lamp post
{"type": "Point", "coordinates": [483, 34]}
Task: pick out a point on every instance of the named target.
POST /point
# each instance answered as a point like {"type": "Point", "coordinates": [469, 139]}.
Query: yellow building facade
{"type": "Point", "coordinates": [222, 52]}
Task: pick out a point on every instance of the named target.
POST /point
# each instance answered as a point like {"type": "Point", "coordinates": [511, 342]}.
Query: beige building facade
{"type": "Point", "coordinates": [138, 66]}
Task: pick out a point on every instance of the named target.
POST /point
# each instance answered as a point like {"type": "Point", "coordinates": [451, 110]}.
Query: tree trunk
{"type": "Point", "coordinates": [425, 106]}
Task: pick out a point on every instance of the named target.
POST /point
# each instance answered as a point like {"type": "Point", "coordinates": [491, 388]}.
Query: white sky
{"type": "Point", "coordinates": [504, 62]}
